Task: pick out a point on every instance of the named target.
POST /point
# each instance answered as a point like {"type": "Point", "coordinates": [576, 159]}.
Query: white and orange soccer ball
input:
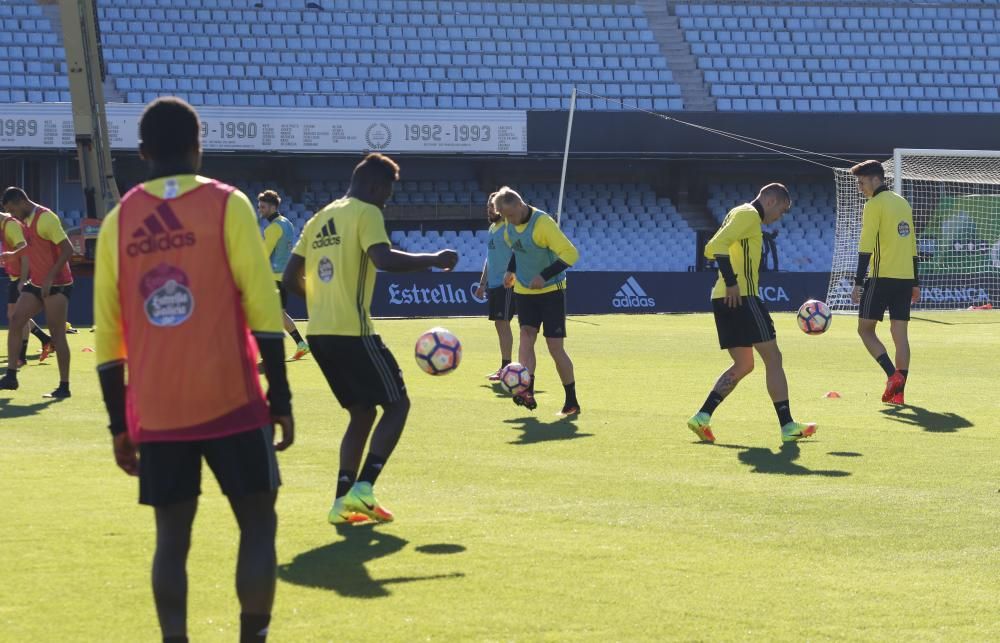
{"type": "Point", "coordinates": [814, 317]}
{"type": "Point", "coordinates": [438, 352]}
{"type": "Point", "coordinates": [515, 378]}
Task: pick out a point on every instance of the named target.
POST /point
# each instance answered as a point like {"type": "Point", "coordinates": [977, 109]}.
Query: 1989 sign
{"type": "Point", "coordinates": [18, 127]}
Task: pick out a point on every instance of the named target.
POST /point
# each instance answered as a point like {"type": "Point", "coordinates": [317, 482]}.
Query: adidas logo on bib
{"type": "Point", "coordinates": [159, 233]}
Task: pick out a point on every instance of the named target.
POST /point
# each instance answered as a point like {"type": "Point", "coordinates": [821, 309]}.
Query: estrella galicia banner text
{"type": "Point", "coordinates": [441, 294]}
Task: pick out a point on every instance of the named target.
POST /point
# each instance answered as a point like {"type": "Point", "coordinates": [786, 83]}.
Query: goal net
{"type": "Point", "coordinates": [955, 196]}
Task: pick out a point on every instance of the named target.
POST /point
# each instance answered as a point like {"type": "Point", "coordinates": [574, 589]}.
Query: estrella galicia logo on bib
{"type": "Point", "coordinates": [378, 136]}
{"type": "Point", "coordinates": [903, 229]}
{"type": "Point", "coordinates": [325, 270]}
{"type": "Point", "coordinates": [166, 292]}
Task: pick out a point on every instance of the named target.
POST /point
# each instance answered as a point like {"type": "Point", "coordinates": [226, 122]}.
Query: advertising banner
{"type": "Point", "coordinates": [280, 129]}
{"type": "Point", "coordinates": [444, 294]}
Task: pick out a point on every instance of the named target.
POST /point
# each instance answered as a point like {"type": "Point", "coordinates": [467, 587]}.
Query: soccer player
{"type": "Point", "coordinates": [279, 237]}
{"type": "Point", "coordinates": [181, 274]}
{"type": "Point", "coordinates": [50, 284]}
{"type": "Point", "coordinates": [333, 267]}
{"type": "Point", "coordinates": [742, 322]}
{"type": "Point", "coordinates": [14, 259]}
{"type": "Point", "coordinates": [887, 255]}
{"type": "Point", "coordinates": [540, 255]}
{"type": "Point", "coordinates": [501, 299]}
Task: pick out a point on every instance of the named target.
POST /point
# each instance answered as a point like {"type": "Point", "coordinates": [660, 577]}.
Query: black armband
{"type": "Point", "coordinates": [916, 273]}
{"type": "Point", "coordinates": [272, 352]}
{"type": "Point", "coordinates": [864, 259]}
{"type": "Point", "coordinates": [112, 378]}
{"type": "Point", "coordinates": [551, 271]}
{"type": "Point", "coordinates": [726, 268]}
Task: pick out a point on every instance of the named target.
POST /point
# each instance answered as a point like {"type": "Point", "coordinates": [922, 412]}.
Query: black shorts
{"type": "Point", "coordinates": [881, 293]}
{"type": "Point", "coordinates": [13, 292]}
{"type": "Point", "coordinates": [546, 311]}
{"type": "Point", "coordinates": [243, 463]}
{"type": "Point", "coordinates": [502, 306]}
{"type": "Point", "coordinates": [65, 291]}
{"type": "Point", "coordinates": [743, 326]}
{"type": "Point", "coordinates": [283, 294]}
{"type": "Point", "coordinates": [360, 370]}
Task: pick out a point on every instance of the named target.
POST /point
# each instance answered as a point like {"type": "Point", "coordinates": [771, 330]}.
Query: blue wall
{"type": "Point", "coordinates": [437, 294]}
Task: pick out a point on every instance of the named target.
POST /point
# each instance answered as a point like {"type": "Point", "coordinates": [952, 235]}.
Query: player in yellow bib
{"type": "Point", "coordinates": [540, 256]}
{"type": "Point", "coordinates": [279, 239]}
{"type": "Point", "coordinates": [333, 266]}
{"type": "Point", "coordinates": [501, 300]}
{"type": "Point", "coordinates": [887, 276]}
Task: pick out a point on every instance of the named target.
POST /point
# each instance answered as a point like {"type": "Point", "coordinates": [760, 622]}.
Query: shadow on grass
{"type": "Point", "coordinates": [765, 460]}
{"type": "Point", "coordinates": [535, 431]}
{"type": "Point", "coordinates": [500, 391]}
{"type": "Point", "coordinates": [10, 410]}
{"type": "Point", "coordinates": [926, 419]}
{"type": "Point", "coordinates": [340, 566]}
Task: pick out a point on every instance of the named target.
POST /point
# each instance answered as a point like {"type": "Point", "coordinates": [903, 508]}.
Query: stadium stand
{"type": "Point", "coordinates": [385, 53]}
{"type": "Point", "coordinates": [616, 226]}
{"type": "Point", "coordinates": [32, 60]}
{"type": "Point", "coordinates": [905, 57]}
{"type": "Point", "coordinates": [804, 235]}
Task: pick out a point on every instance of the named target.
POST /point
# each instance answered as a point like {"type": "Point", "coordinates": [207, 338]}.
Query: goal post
{"type": "Point", "coordinates": [955, 195]}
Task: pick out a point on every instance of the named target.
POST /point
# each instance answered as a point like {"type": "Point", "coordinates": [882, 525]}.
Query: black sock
{"type": "Point", "coordinates": [24, 351]}
{"type": "Point", "coordinates": [711, 403]}
{"type": "Point", "coordinates": [253, 627]}
{"type": "Point", "coordinates": [175, 639]}
{"type": "Point", "coordinates": [12, 373]}
{"type": "Point", "coordinates": [886, 364]}
{"type": "Point", "coordinates": [784, 412]}
{"type": "Point", "coordinates": [296, 336]}
{"type": "Point", "coordinates": [40, 335]}
{"type": "Point", "coordinates": [345, 480]}
{"type": "Point", "coordinates": [373, 467]}
{"type": "Point", "coordinates": [64, 385]}
{"type": "Point", "coordinates": [906, 374]}
{"type": "Point", "coordinates": [504, 363]}
{"type": "Point", "coordinates": [571, 394]}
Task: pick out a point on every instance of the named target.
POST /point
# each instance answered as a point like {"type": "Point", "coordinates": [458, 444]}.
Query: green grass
{"type": "Point", "coordinates": [514, 526]}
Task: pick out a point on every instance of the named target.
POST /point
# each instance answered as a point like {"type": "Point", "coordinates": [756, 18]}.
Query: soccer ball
{"type": "Point", "coordinates": [515, 378]}
{"type": "Point", "coordinates": [438, 352]}
{"type": "Point", "coordinates": [814, 317]}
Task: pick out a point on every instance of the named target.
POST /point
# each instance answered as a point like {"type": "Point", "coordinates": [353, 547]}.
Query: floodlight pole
{"type": "Point", "coordinates": [569, 132]}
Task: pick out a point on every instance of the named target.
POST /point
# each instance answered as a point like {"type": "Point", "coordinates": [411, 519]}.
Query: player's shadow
{"type": "Point", "coordinates": [500, 391]}
{"type": "Point", "coordinates": [534, 430]}
{"type": "Point", "coordinates": [10, 410]}
{"type": "Point", "coordinates": [931, 421]}
{"type": "Point", "coordinates": [340, 566]}
{"type": "Point", "coordinates": [497, 388]}
{"type": "Point", "coordinates": [765, 460]}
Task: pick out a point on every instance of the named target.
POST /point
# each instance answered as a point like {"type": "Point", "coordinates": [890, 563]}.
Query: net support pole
{"type": "Point", "coordinates": [897, 170]}
{"type": "Point", "coordinates": [569, 133]}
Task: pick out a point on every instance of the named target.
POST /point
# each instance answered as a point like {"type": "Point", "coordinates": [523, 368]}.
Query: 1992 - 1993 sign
{"type": "Point", "coordinates": [270, 129]}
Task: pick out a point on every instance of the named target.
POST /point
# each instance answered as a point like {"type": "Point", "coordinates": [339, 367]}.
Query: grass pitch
{"type": "Point", "coordinates": [514, 525]}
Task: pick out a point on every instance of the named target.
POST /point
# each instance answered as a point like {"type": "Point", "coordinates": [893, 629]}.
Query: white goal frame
{"type": "Point", "coordinates": [902, 176]}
